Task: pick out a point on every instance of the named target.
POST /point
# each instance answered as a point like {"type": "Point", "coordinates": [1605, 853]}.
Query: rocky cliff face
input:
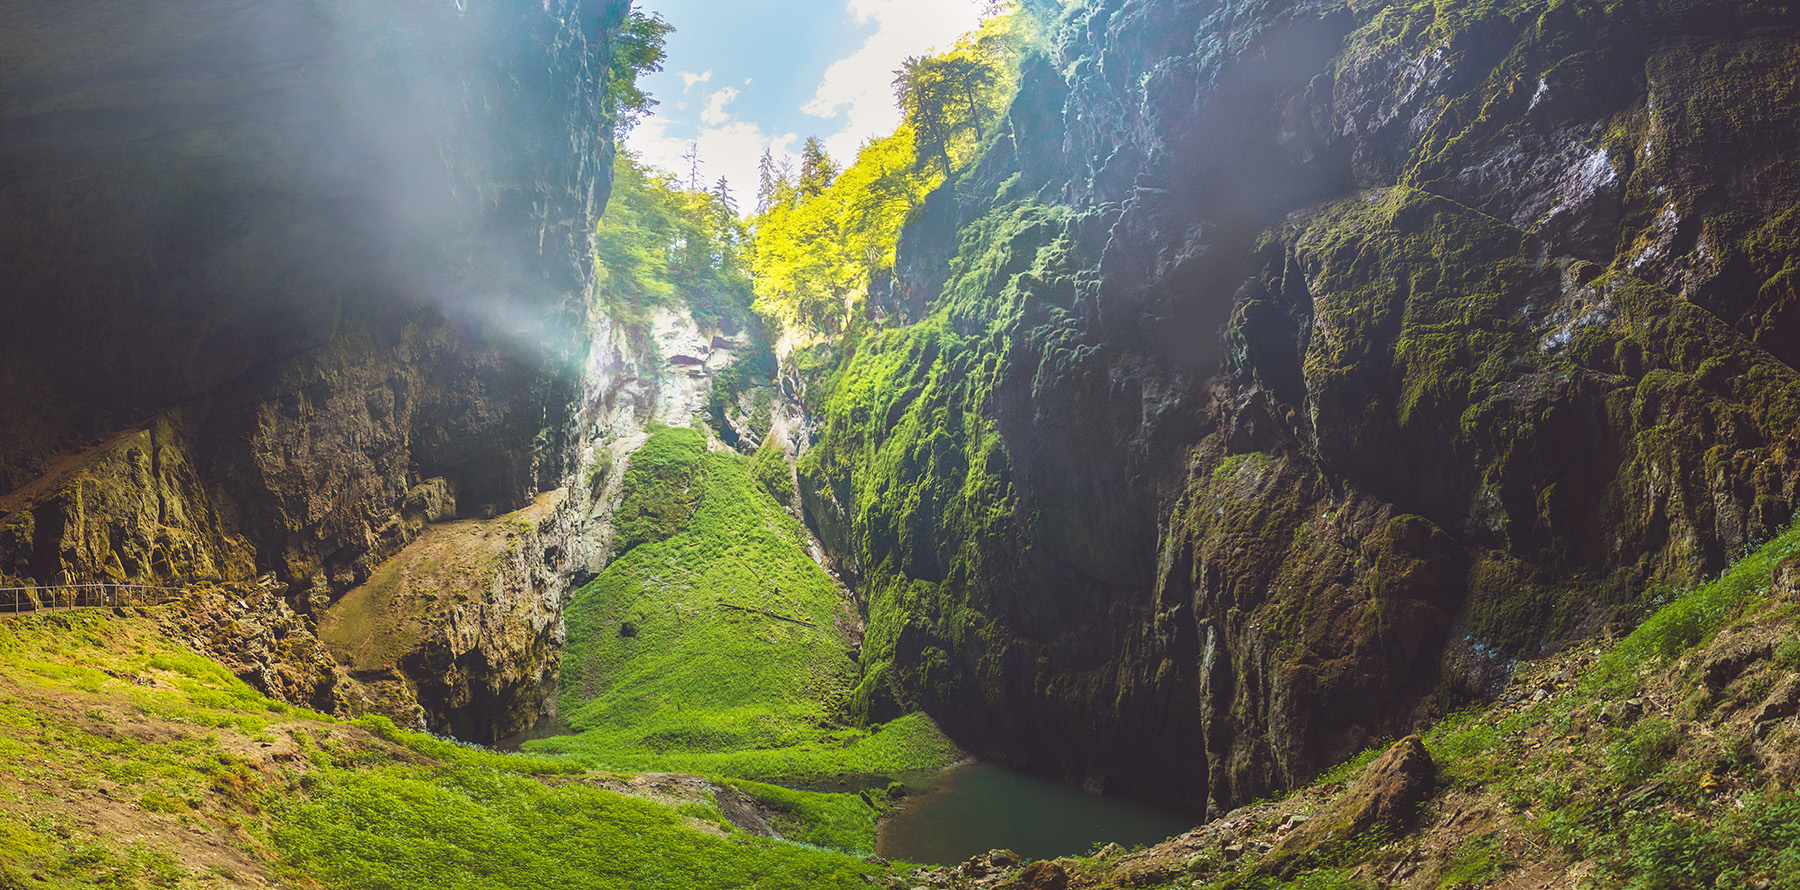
{"type": "Point", "coordinates": [462, 632]}
{"type": "Point", "coordinates": [349, 243]}
{"type": "Point", "coordinates": [1286, 369]}
{"type": "Point", "coordinates": [287, 282]}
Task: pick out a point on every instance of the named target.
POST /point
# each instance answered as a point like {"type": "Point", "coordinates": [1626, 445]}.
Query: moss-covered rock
{"type": "Point", "coordinates": [1312, 362]}
{"type": "Point", "coordinates": [1386, 798]}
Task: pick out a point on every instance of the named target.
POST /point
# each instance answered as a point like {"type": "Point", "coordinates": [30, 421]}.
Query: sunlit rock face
{"type": "Point", "coordinates": [1304, 364]}
{"type": "Point", "coordinates": [282, 280]}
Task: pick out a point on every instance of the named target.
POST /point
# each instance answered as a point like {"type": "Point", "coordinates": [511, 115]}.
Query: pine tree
{"type": "Point", "coordinates": [692, 156]}
{"type": "Point", "coordinates": [817, 169]}
{"type": "Point", "coordinates": [765, 186]}
{"type": "Point", "coordinates": [722, 191]}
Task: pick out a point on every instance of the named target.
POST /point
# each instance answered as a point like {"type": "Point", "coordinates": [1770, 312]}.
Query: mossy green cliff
{"type": "Point", "coordinates": [1286, 371]}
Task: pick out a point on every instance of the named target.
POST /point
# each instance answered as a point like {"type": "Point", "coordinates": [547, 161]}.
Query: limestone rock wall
{"type": "Point", "coordinates": [287, 282]}
{"type": "Point", "coordinates": [349, 242]}
{"type": "Point", "coordinates": [133, 509]}
{"type": "Point", "coordinates": [1301, 364]}
{"type": "Point", "coordinates": [461, 632]}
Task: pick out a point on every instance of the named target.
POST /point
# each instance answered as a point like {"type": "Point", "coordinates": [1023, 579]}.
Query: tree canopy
{"type": "Point", "coordinates": [660, 242]}
{"type": "Point", "coordinates": [637, 51]}
{"type": "Point", "coordinates": [823, 236]}
{"type": "Point", "coordinates": [817, 252]}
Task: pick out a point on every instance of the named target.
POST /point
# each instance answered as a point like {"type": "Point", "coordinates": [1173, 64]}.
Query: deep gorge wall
{"type": "Point", "coordinates": [462, 632]}
{"type": "Point", "coordinates": [287, 281]}
{"type": "Point", "coordinates": [1284, 370]}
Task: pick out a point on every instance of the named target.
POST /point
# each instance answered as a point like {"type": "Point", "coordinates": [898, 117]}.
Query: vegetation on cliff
{"type": "Point", "coordinates": [824, 239]}
{"type": "Point", "coordinates": [907, 447]}
{"type": "Point", "coordinates": [714, 644]}
{"type": "Point", "coordinates": [1665, 760]}
{"type": "Point", "coordinates": [637, 50]}
{"type": "Point", "coordinates": [1493, 378]}
{"type": "Point", "coordinates": [663, 243]}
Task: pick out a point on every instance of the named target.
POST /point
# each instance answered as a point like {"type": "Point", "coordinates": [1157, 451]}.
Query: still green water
{"type": "Point", "coordinates": [977, 807]}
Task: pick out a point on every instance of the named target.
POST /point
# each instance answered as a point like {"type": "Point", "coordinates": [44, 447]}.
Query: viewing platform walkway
{"type": "Point", "coordinates": [64, 597]}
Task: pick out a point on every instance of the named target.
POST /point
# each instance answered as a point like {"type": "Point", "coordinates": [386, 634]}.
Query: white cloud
{"type": "Point", "coordinates": [714, 114]}
{"type": "Point", "coordinates": [859, 87]}
{"type": "Point", "coordinates": [853, 100]}
{"type": "Point", "coordinates": [730, 149]}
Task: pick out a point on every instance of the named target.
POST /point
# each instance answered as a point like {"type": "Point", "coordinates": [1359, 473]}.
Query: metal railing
{"type": "Point", "coordinates": [62, 597]}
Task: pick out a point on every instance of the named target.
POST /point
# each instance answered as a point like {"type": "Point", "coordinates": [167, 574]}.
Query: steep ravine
{"type": "Point", "coordinates": [1279, 376]}
{"type": "Point", "coordinates": [1285, 371]}
{"type": "Point", "coordinates": [462, 632]}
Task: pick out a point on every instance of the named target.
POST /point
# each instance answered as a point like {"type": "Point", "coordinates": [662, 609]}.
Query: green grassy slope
{"type": "Point", "coordinates": [714, 644]}
{"type": "Point", "coordinates": [468, 825]}
{"type": "Point", "coordinates": [713, 630]}
{"type": "Point", "coordinates": [128, 761]}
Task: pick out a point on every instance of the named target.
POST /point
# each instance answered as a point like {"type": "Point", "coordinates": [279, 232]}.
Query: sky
{"type": "Point", "coordinates": [742, 76]}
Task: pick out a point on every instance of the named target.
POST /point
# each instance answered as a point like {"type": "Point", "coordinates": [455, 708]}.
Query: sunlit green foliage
{"type": "Point", "coordinates": [660, 244]}
{"type": "Point", "coordinates": [953, 99]}
{"type": "Point", "coordinates": [637, 51]}
{"type": "Point", "coordinates": [816, 255]}
{"type": "Point", "coordinates": [821, 241]}
{"type": "Point", "coordinates": [817, 170]}
{"type": "Point", "coordinates": [949, 100]}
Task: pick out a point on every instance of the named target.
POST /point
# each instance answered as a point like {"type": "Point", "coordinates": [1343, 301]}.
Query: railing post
{"type": "Point", "coordinates": [64, 597]}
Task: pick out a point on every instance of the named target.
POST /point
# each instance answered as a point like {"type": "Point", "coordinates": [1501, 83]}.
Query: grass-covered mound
{"type": "Point", "coordinates": [714, 644]}
{"type": "Point", "coordinates": [128, 761]}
